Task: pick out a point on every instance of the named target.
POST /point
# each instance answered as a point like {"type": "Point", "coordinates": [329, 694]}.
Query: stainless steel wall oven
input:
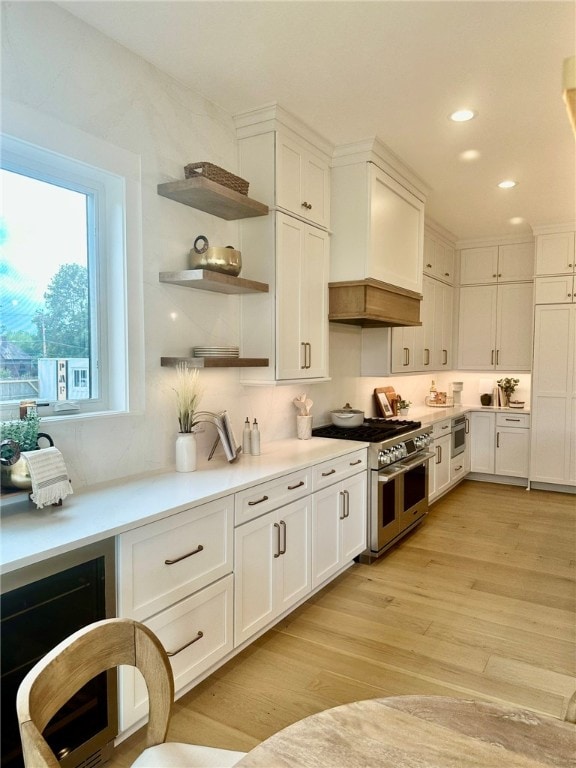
{"type": "Point", "coordinates": [40, 606]}
{"type": "Point", "coordinates": [459, 432]}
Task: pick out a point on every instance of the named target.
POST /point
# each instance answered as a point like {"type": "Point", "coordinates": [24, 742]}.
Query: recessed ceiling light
{"type": "Point", "coordinates": [469, 154]}
{"type": "Point", "coordinates": [516, 220]}
{"type": "Point", "coordinates": [507, 184]}
{"type": "Point", "coordinates": [462, 115]}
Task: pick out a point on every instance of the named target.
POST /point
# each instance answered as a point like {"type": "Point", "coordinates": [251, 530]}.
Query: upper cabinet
{"type": "Point", "coordinates": [555, 253]}
{"type": "Point", "coordinates": [439, 254]}
{"type": "Point", "coordinates": [289, 249]}
{"type": "Point", "coordinates": [510, 262]}
{"type": "Point", "coordinates": [302, 181]}
{"type": "Point", "coordinates": [287, 163]}
{"type": "Point", "coordinates": [378, 219]}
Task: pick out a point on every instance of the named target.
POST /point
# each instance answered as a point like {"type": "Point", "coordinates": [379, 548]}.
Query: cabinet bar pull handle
{"type": "Point", "coordinates": [199, 636]}
{"type": "Point", "coordinates": [445, 353]}
{"type": "Point", "coordinates": [497, 357]}
{"type": "Point", "coordinates": [446, 426]}
{"type": "Point", "coordinates": [347, 503]}
{"type": "Point", "coordinates": [406, 356]}
{"type": "Point", "coordinates": [258, 501]}
{"type": "Point", "coordinates": [298, 485]}
{"type": "Point", "coordinates": [509, 419]}
{"type": "Point", "coordinates": [277, 540]}
{"type": "Point", "coordinates": [326, 474]}
{"type": "Point", "coordinates": [427, 356]}
{"type": "Point", "coordinates": [283, 549]}
{"type": "Point", "coordinates": [353, 463]}
{"type": "Point", "coordinates": [303, 344]}
{"type": "Point", "coordinates": [458, 468]}
{"type": "Point", "coordinates": [492, 358]}
{"type": "Point", "coordinates": [342, 505]}
{"type": "Point", "coordinates": [183, 557]}
{"type": "Point", "coordinates": [438, 454]}
{"type": "Point", "coordinates": [467, 421]}
{"type": "Point", "coordinates": [497, 439]}
{"type": "Point", "coordinates": [309, 354]}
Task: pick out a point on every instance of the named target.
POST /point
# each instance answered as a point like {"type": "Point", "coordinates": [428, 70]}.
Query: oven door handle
{"type": "Point", "coordinates": [384, 475]}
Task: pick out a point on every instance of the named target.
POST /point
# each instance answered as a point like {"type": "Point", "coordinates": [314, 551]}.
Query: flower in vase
{"type": "Point", "coordinates": [188, 395]}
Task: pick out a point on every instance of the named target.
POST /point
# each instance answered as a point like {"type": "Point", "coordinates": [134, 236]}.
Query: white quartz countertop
{"type": "Point", "coordinates": [428, 415]}
{"type": "Point", "coordinates": [92, 514]}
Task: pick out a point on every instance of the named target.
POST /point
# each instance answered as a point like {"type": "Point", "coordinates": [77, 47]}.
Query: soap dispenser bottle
{"type": "Point", "coordinates": [255, 440]}
{"type": "Point", "coordinates": [246, 438]}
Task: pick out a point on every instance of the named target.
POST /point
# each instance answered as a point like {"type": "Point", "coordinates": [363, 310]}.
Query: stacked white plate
{"type": "Point", "coordinates": [216, 352]}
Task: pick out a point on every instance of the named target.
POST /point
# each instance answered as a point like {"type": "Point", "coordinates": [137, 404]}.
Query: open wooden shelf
{"type": "Point", "coordinates": [218, 282]}
{"type": "Point", "coordinates": [208, 196]}
{"type": "Point", "coordinates": [216, 362]}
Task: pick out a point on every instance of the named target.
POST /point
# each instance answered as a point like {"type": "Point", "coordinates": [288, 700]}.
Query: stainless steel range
{"type": "Point", "coordinates": [398, 458]}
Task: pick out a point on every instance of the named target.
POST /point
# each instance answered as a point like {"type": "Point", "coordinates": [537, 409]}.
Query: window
{"type": "Point", "coordinates": [64, 279]}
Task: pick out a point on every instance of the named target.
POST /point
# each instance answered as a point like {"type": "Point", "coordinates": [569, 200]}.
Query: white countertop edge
{"type": "Point", "coordinates": [29, 535]}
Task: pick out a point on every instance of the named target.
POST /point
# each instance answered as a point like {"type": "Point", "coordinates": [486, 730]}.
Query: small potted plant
{"type": "Point", "coordinates": [17, 436]}
{"type": "Point", "coordinates": [507, 386]}
{"type": "Point", "coordinates": [188, 394]}
{"type": "Point", "coordinates": [403, 406]}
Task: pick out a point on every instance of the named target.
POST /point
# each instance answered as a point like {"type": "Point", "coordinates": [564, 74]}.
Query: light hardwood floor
{"type": "Point", "coordinates": [479, 601]}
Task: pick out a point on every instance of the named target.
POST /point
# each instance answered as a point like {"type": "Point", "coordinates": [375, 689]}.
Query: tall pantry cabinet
{"type": "Point", "coordinates": [288, 167]}
{"type": "Point", "coordinates": [553, 445]}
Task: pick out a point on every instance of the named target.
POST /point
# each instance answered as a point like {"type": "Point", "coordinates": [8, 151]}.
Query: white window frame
{"type": "Point", "coordinates": [37, 142]}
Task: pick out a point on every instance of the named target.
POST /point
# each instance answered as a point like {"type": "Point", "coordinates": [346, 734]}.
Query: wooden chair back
{"type": "Point", "coordinates": [74, 662]}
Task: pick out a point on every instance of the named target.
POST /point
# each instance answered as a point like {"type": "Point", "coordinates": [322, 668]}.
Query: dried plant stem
{"type": "Point", "coordinates": [188, 394]}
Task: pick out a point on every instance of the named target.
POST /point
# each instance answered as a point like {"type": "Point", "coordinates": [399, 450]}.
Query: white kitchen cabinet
{"type": "Point", "coordinates": [302, 300]}
{"type": "Point", "coordinates": [427, 347]}
{"type": "Point", "coordinates": [175, 576]}
{"type": "Point", "coordinates": [439, 257]}
{"type": "Point", "coordinates": [290, 248]}
{"type": "Point", "coordinates": [499, 443]}
{"type": "Point", "coordinates": [439, 467]}
{"type": "Point", "coordinates": [302, 180]}
{"type": "Point", "coordinates": [495, 328]}
{"type": "Point", "coordinates": [482, 444]}
{"type": "Point", "coordinates": [553, 440]}
{"type": "Point", "coordinates": [555, 253]}
{"type": "Point", "coordinates": [339, 515]}
{"type": "Point", "coordinates": [460, 466]}
{"type": "Point", "coordinates": [377, 227]}
{"type": "Point", "coordinates": [272, 566]}
{"type": "Point", "coordinates": [510, 262]}
{"type": "Point", "coordinates": [557, 289]}
{"type": "Point", "coordinates": [512, 445]}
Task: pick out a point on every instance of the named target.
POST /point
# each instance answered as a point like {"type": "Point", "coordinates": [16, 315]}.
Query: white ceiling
{"type": "Point", "coordinates": [393, 69]}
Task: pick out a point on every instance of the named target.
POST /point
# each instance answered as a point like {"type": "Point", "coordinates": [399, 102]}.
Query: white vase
{"type": "Point", "coordinates": [186, 452]}
{"type": "Point", "coordinates": [304, 427]}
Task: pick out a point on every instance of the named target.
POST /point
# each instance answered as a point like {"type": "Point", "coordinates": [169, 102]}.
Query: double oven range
{"type": "Point", "coordinates": [398, 457]}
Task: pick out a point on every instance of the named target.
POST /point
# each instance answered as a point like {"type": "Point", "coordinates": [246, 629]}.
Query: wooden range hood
{"type": "Point", "coordinates": [373, 304]}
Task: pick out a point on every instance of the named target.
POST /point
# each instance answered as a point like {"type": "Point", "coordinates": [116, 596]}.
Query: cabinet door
{"type": "Point", "coordinates": [554, 381]}
{"type": "Point", "coordinates": [477, 327]}
{"type": "Point", "coordinates": [397, 233]}
{"type": "Point", "coordinates": [404, 358]}
{"type": "Point", "coordinates": [516, 262]}
{"type": "Point", "coordinates": [514, 327]}
{"type": "Point", "coordinates": [314, 301]}
{"type": "Point", "coordinates": [555, 290]}
{"type": "Point", "coordinates": [482, 442]}
{"type": "Point", "coordinates": [479, 265]}
{"type": "Point", "coordinates": [512, 451]}
{"type": "Point", "coordinates": [425, 352]}
{"type": "Point", "coordinates": [302, 300]}
{"type": "Point", "coordinates": [442, 350]}
{"type": "Point", "coordinates": [293, 566]}
{"type": "Point", "coordinates": [449, 264]}
{"type": "Point", "coordinates": [255, 545]}
{"type": "Point", "coordinates": [555, 253]}
{"type": "Point", "coordinates": [326, 513]}
{"type": "Point", "coordinates": [354, 524]}
{"type": "Point", "coordinates": [441, 464]}
{"type": "Point", "coordinates": [302, 181]}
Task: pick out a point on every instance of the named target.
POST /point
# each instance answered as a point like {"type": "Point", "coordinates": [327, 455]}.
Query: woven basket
{"type": "Point", "coordinates": [217, 174]}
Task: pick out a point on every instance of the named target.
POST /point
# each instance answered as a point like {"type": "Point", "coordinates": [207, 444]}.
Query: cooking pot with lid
{"type": "Point", "coordinates": [347, 417]}
{"type": "Point", "coordinates": [215, 258]}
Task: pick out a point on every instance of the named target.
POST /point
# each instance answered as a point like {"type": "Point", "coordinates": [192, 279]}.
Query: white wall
{"type": "Point", "coordinates": [60, 67]}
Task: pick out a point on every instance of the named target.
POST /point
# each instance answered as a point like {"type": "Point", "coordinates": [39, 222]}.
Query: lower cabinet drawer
{"type": "Point", "coordinates": [457, 467]}
{"type": "Point", "coordinates": [513, 419]}
{"type": "Point", "coordinates": [196, 633]}
{"type": "Point", "coordinates": [163, 562]}
{"type": "Point", "coordinates": [262, 498]}
{"type": "Point", "coordinates": [332, 471]}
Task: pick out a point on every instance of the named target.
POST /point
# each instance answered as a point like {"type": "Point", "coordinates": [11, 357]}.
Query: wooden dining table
{"type": "Point", "coordinates": [419, 732]}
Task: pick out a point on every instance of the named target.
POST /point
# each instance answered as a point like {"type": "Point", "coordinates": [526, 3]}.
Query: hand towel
{"type": "Point", "coordinates": [49, 476]}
